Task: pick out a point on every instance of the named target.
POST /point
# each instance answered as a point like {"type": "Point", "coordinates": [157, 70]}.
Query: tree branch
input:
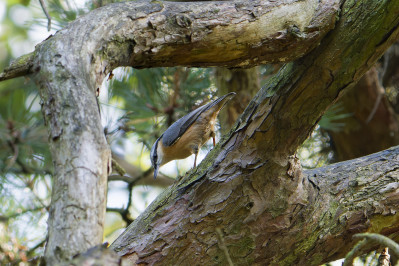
{"type": "Point", "coordinates": [151, 34]}
{"type": "Point", "coordinates": [353, 253]}
{"type": "Point", "coordinates": [222, 246]}
{"type": "Point", "coordinates": [21, 66]}
{"type": "Point", "coordinates": [137, 177]}
{"type": "Point", "coordinates": [124, 213]}
{"type": "Point", "coordinates": [6, 218]}
{"type": "Point", "coordinates": [43, 5]}
{"type": "Point", "coordinates": [380, 239]}
{"type": "Point", "coordinates": [340, 202]}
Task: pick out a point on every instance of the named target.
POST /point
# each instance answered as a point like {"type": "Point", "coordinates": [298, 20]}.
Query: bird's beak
{"type": "Point", "coordinates": [156, 169]}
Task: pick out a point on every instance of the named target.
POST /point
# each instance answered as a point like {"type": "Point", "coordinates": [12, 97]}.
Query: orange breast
{"type": "Point", "coordinates": [195, 136]}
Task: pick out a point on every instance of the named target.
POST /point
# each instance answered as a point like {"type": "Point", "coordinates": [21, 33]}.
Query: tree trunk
{"type": "Point", "coordinates": [79, 151]}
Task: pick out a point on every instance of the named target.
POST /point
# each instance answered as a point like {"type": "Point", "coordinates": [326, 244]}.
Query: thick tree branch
{"type": "Point", "coordinates": [341, 201]}
{"type": "Point", "coordinates": [227, 33]}
{"type": "Point", "coordinates": [352, 197]}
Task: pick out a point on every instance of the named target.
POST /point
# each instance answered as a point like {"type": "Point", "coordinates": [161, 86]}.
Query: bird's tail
{"type": "Point", "coordinates": [221, 101]}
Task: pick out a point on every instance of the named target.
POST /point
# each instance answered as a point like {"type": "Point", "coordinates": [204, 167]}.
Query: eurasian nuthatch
{"type": "Point", "coordinates": [186, 136]}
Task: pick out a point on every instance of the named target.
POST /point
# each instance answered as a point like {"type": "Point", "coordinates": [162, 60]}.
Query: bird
{"type": "Point", "coordinates": [186, 136]}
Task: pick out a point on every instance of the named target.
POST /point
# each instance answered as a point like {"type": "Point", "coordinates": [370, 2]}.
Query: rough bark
{"type": "Point", "coordinates": [351, 197]}
{"type": "Point", "coordinates": [80, 153]}
{"type": "Point", "coordinates": [252, 189]}
{"type": "Point", "coordinates": [227, 33]}
{"type": "Point", "coordinates": [341, 200]}
{"type": "Point", "coordinates": [70, 65]}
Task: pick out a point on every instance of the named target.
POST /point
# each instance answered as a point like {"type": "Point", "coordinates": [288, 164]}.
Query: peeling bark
{"type": "Point", "coordinates": [306, 220]}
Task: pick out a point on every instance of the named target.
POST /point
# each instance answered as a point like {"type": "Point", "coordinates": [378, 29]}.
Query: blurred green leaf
{"type": "Point", "coordinates": [330, 120]}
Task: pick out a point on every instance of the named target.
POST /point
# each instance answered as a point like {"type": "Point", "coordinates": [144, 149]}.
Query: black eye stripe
{"type": "Point", "coordinates": [154, 152]}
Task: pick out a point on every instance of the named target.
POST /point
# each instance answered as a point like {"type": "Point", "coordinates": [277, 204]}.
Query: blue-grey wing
{"type": "Point", "coordinates": [176, 130]}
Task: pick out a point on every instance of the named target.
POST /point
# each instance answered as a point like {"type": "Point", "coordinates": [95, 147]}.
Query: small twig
{"type": "Point", "coordinates": [380, 91]}
{"type": "Point", "coordinates": [124, 212]}
{"type": "Point", "coordinates": [12, 144]}
{"type": "Point", "coordinates": [4, 218]}
{"type": "Point", "coordinates": [30, 251]}
{"type": "Point", "coordinates": [14, 157]}
{"type": "Point", "coordinates": [137, 176]}
{"type": "Point", "coordinates": [222, 246]}
{"type": "Point", "coordinates": [46, 13]}
{"type": "Point", "coordinates": [375, 107]}
{"type": "Point", "coordinates": [118, 168]}
{"type": "Point", "coordinates": [380, 239]}
{"type": "Point", "coordinates": [124, 178]}
{"type": "Point", "coordinates": [353, 253]}
{"type": "Point", "coordinates": [130, 180]}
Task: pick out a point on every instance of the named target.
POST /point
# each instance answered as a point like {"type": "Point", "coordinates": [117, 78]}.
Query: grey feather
{"type": "Point", "coordinates": [176, 130]}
